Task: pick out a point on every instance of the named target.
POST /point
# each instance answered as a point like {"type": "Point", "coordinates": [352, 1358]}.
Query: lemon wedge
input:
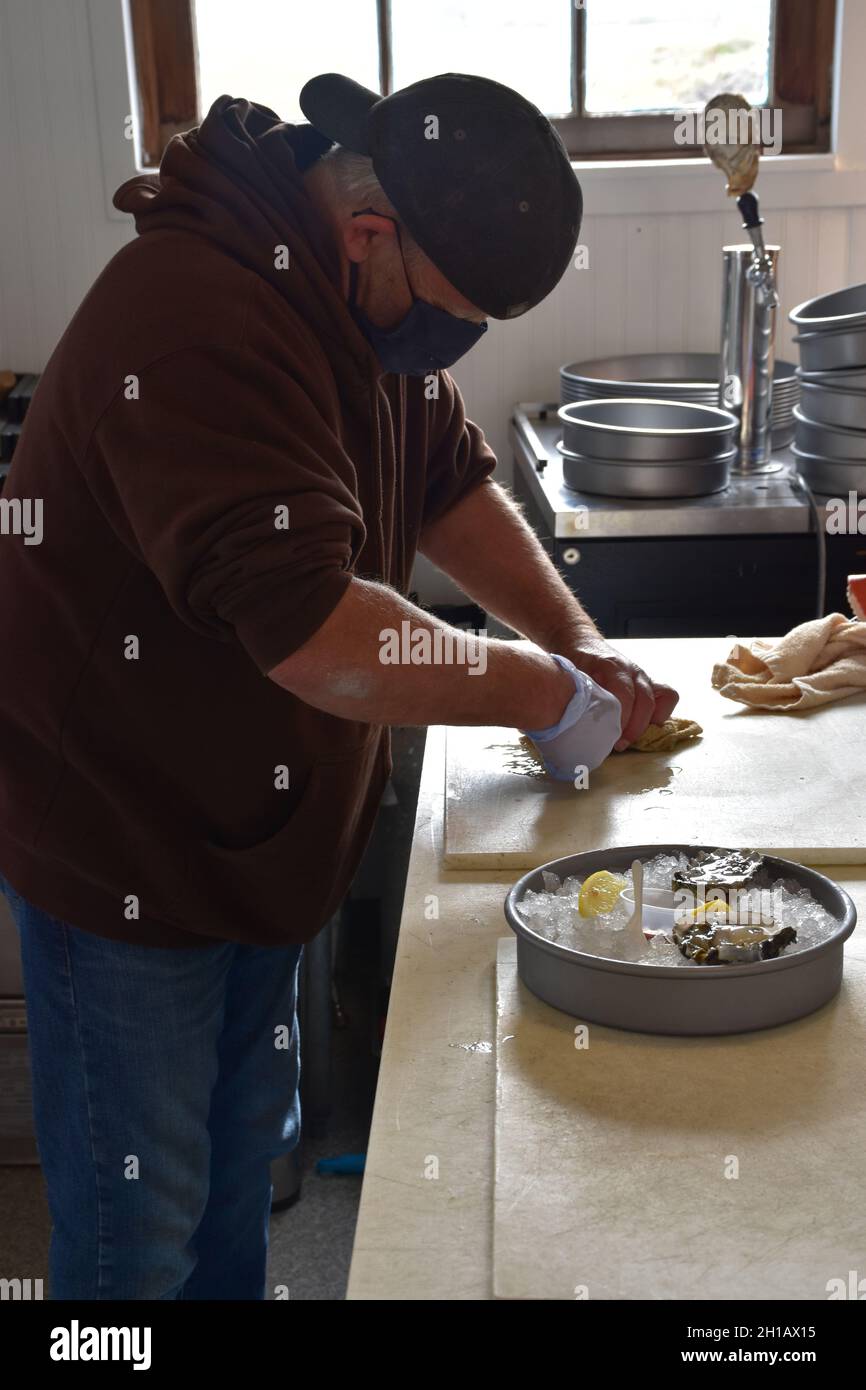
{"type": "Point", "coordinates": [599, 893]}
{"type": "Point", "coordinates": [714, 905]}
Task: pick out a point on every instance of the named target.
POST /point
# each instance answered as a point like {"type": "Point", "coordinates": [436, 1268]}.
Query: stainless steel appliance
{"type": "Point", "coordinates": [742, 561]}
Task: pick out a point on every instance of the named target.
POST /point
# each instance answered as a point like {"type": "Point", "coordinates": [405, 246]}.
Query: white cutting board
{"type": "Point", "coordinates": [611, 1160]}
{"type": "Point", "coordinates": [788, 784]}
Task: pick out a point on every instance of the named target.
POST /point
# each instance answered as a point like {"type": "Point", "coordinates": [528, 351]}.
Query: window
{"type": "Point", "coordinates": [611, 74]}
{"type": "Point", "coordinates": [164, 52]}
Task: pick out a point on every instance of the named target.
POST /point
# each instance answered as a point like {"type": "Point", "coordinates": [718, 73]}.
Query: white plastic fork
{"type": "Point", "coordinates": [634, 925]}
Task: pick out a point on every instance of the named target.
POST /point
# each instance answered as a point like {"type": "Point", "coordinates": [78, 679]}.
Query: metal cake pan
{"type": "Point", "coordinates": [843, 349]}
{"type": "Point", "coordinates": [831, 330]}
{"type": "Point", "coordinates": [631, 429]}
{"type": "Point", "coordinates": [682, 478]}
{"type": "Point", "coordinates": [853, 380]}
{"type": "Point", "coordinates": [829, 441]}
{"type": "Point", "coordinates": [828, 351]}
{"type": "Point", "coordinates": [670, 376]}
{"type": "Point", "coordinates": [827, 312]}
{"type": "Point", "coordinates": [685, 1000]}
{"type": "Point", "coordinates": [831, 477]}
{"type": "Point", "coordinates": [691, 377]}
{"type": "Point", "coordinates": [834, 406]}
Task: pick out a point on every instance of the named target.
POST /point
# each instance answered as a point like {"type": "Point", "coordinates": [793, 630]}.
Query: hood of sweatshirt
{"type": "Point", "coordinates": [237, 180]}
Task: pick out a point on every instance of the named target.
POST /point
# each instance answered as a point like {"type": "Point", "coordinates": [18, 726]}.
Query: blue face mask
{"type": "Point", "coordinates": [425, 341]}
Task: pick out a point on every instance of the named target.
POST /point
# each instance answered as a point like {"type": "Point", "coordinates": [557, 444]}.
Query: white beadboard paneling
{"type": "Point", "coordinates": [576, 291]}
{"type": "Point", "coordinates": [17, 334]}
{"type": "Point", "coordinates": [822, 260]}
{"type": "Point", "coordinates": [54, 234]}
{"type": "Point", "coordinates": [641, 288]}
{"type": "Point", "coordinates": [40, 196]}
{"type": "Point", "coordinates": [831, 261]}
{"type": "Point", "coordinates": [798, 275]}
{"type": "Point", "coordinates": [786, 285]}
{"type": "Point", "coordinates": [608, 260]}
{"type": "Point", "coordinates": [800, 253]}
{"type": "Point", "coordinates": [703, 287]}
{"type": "Point", "coordinates": [670, 274]}
{"type": "Point", "coordinates": [109, 21]}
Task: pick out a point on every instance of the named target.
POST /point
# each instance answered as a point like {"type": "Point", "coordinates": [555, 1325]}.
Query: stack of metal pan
{"type": "Point", "coordinates": [638, 447]}
{"type": "Point", "coordinates": [687, 377]}
{"type": "Point", "coordinates": [830, 421]}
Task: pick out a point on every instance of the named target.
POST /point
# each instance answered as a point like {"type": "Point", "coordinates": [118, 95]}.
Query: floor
{"type": "Point", "coordinates": [311, 1242]}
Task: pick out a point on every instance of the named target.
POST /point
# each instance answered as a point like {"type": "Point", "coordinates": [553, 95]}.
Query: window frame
{"type": "Point", "coordinates": [801, 78]}
{"type": "Point", "coordinates": [162, 34]}
{"type": "Point", "coordinates": [163, 61]}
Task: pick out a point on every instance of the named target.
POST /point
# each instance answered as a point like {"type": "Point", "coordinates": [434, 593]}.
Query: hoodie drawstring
{"type": "Point", "coordinates": [380, 488]}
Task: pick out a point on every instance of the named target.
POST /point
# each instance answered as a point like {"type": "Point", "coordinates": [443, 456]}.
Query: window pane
{"type": "Point", "coordinates": [675, 54]}
{"type": "Point", "coordinates": [266, 50]}
{"type": "Point", "coordinates": [525, 46]}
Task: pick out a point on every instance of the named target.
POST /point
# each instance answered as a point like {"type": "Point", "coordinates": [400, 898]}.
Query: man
{"type": "Point", "coordinates": [241, 441]}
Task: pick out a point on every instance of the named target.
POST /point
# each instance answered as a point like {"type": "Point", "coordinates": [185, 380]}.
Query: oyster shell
{"type": "Point", "coordinates": [717, 872]}
{"type": "Point", "coordinates": [719, 942]}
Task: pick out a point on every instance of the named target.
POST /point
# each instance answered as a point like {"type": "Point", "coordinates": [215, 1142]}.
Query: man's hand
{"type": "Point", "coordinates": [643, 701]}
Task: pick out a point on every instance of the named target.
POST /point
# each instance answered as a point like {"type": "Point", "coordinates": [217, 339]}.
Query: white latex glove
{"type": "Point", "coordinates": [586, 733]}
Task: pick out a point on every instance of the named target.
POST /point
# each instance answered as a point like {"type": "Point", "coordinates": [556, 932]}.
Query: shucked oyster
{"type": "Point", "coordinates": [725, 919]}
{"type": "Point", "coordinates": [715, 873]}
{"type": "Point", "coordinates": [716, 941]}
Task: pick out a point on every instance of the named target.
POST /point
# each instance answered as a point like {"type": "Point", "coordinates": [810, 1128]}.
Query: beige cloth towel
{"type": "Point", "coordinates": [817, 662]}
{"type": "Point", "coordinates": [658, 738]}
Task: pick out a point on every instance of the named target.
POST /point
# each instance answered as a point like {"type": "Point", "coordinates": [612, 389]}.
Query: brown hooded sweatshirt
{"type": "Point", "coordinates": [211, 385]}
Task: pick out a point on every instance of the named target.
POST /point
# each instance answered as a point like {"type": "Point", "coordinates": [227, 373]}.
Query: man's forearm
{"type": "Point", "coordinates": [485, 546]}
{"type": "Point", "coordinates": [345, 669]}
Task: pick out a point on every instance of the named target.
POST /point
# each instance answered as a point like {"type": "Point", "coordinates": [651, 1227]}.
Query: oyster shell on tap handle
{"type": "Point", "coordinates": [738, 160]}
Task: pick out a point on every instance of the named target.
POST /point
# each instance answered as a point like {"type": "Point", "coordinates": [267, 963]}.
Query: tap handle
{"type": "Point", "coordinates": [762, 270]}
{"type": "Point", "coordinates": [748, 205]}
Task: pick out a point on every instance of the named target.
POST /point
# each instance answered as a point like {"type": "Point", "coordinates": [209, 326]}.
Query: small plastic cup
{"type": "Point", "coordinates": [657, 913]}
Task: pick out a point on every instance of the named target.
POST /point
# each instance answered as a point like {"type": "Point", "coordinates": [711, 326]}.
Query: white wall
{"type": "Point", "coordinates": [654, 236]}
{"type": "Point", "coordinates": [55, 235]}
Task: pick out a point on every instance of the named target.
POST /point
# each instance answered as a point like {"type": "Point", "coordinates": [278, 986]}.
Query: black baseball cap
{"type": "Point", "coordinates": [477, 173]}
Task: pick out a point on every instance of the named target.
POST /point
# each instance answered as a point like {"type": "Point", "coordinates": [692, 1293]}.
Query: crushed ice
{"type": "Point", "coordinates": [553, 913]}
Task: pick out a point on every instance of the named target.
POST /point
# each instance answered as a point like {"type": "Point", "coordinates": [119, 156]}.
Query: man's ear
{"type": "Point", "coordinates": [360, 230]}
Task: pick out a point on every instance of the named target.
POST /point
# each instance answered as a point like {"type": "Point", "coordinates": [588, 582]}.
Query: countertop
{"type": "Point", "coordinates": [425, 1226]}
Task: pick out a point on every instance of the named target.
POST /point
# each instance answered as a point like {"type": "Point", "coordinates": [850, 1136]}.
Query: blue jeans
{"type": "Point", "coordinates": [164, 1084]}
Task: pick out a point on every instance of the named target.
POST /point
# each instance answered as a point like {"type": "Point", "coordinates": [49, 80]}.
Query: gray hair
{"type": "Point", "coordinates": [355, 185]}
